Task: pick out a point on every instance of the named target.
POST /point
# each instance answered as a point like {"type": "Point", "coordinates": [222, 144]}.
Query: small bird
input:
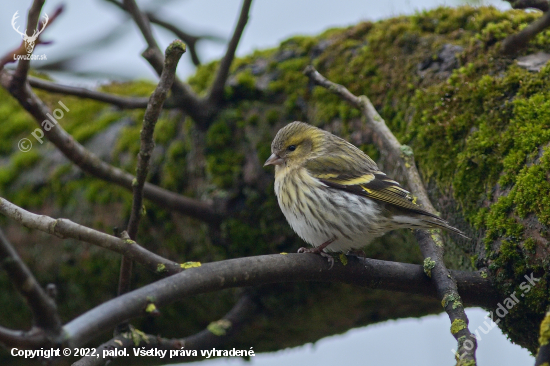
{"type": "Point", "coordinates": [334, 196]}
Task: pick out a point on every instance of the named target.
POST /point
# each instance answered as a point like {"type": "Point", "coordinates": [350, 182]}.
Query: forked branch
{"type": "Point", "coordinates": [202, 110]}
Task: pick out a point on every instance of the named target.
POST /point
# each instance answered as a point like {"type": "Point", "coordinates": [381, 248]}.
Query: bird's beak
{"type": "Point", "coordinates": [274, 160]}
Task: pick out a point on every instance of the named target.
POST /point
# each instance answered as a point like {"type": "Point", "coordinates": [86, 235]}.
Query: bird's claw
{"type": "Point", "coordinates": [321, 252]}
{"type": "Point", "coordinates": [329, 259]}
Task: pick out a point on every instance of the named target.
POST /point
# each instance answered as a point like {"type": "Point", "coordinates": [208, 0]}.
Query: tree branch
{"type": "Point", "coordinates": [33, 339]}
{"type": "Point", "coordinates": [431, 243]}
{"type": "Point", "coordinates": [172, 56]}
{"type": "Point", "coordinates": [189, 39]}
{"type": "Point", "coordinates": [65, 228]}
{"type": "Point", "coordinates": [152, 113]}
{"type": "Point", "coordinates": [20, 75]}
{"type": "Point", "coordinates": [43, 307]}
{"type": "Point", "coordinates": [116, 100]}
{"type": "Point", "coordinates": [230, 323]}
{"type": "Point", "coordinates": [527, 4]}
{"type": "Point", "coordinates": [517, 41]}
{"type": "Point", "coordinates": [215, 96]}
{"type": "Point", "coordinates": [267, 269]}
{"type": "Point", "coordinates": [201, 110]}
{"type": "Point", "coordinates": [181, 91]}
{"type": "Point", "coordinates": [91, 164]}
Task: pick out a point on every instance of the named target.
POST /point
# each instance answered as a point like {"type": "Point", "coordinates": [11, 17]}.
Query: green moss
{"type": "Point", "coordinates": [428, 266]}
{"type": "Point", "coordinates": [246, 81]}
{"type": "Point", "coordinates": [203, 78]}
{"type": "Point", "coordinates": [457, 325]}
{"type": "Point", "coordinates": [220, 327]}
{"type": "Point", "coordinates": [137, 88]}
{"type": "Point", "coordinates": [223, 163]}
{"type": "Point", "coordinates": [530, 245]}
{"type": "Point", "coordinates": [19, 162]}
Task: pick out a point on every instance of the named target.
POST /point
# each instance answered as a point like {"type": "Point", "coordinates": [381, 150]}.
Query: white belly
{"type": "Point", "coordinates": [353, 220]}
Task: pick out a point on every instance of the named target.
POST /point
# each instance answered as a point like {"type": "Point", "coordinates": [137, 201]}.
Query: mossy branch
{"type": "Point", "coordinates": [429, 242]}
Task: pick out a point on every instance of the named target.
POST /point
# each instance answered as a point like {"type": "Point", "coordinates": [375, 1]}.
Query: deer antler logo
{"type": "Point", "coordinates": [29, 40]}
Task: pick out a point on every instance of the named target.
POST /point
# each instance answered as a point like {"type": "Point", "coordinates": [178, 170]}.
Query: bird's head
{"type": "Point", "coordinates": [294, 144]}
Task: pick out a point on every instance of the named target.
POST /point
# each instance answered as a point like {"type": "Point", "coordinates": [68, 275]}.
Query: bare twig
{"type": "Point", "coordinates": [430, 243]}
{"type": "Point", "coordinates": [261, 270]}
{"type": "Point", "coordinates": [142, 22]}
{"type": "Point", "coordinates": [152, 113]}
{"type": "Point", "coordinates": [65, 228]}
{"type": "Point", "coordinates": [189, 39]}
{"type": "Point", "coordinates": [517, 41]}
{"type": "Point", "coordinates": [91, 164]}
{"type": "Point", "coordinates": [543, 355]}
{"type": "Point", "coordinates": [230, 324]}
{"type": "Point", "coordinates": [216, 90]}
{"type": "Point", "coordinates": [181, 91]}
{"type": "Point", "coordinates": [43, 307]}
{"type": "Point", "coordinates": [117, 100]}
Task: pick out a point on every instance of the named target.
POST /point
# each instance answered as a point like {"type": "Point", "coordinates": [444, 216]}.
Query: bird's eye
{"type": "Point", "coordinates": [292, 148]}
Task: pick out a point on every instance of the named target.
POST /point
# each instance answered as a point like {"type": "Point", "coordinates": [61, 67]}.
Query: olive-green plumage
{"type": "Point", "coordinates": [334, 196]}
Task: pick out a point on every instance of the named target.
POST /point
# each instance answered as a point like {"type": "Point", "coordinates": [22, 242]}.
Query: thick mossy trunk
{"type": "Point", "coordinates": [478, 123]}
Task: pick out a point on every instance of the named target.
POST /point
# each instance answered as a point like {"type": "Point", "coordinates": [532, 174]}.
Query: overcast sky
{"type": "Point", "coordinates": [426, 340]}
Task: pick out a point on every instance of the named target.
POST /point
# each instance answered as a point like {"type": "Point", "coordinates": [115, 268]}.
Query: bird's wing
{"type": "Point", "coordinates": [361, 180]}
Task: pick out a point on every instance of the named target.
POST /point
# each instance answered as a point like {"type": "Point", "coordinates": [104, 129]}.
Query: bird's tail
{"type": "Point", "coordinates": [435, 222]}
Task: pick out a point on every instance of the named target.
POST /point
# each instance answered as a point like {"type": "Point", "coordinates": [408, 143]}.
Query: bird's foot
{"type": "Point", "coordinates": [318, 250]}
